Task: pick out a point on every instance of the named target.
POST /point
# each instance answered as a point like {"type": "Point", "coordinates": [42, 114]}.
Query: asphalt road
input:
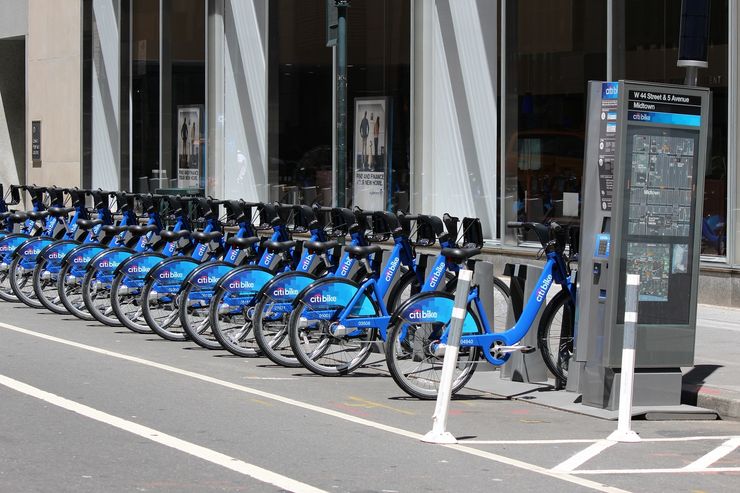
{"type": "Point", "coordinates": [94, 408]}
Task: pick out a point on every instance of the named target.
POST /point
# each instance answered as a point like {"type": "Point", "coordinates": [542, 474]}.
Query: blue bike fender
{"type": "Point", "coordinates": [106, 261]}
{"type": "Point", "coordinates": [245, 281]}
{"type": "Point", "coordinates": [284, 287]}
{"type": "Point", "coordinates": [430, 308]}
{"type": "Point", "coordinates": [10, 243]}
{"type": "Point", "coordinates": [139, 265]}
{"type": "Point", "coordinates": [55, 253]}
{"type": "Point", "coordinates": [334, 294]}
{"type": "Point", "coordinates": [81, 256]}
{"type": "Point", "coordinates": [207, 275]}
{"type": "Point", "coordinates": [30, 249]}
{"type": "Point", "coordinates": [172, 271]}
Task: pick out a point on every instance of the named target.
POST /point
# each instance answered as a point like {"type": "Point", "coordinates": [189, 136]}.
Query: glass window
{"type": "Point", "coordinates": [300, 98]}
{"type": "Point", "coordinates": [647, 50]}
{"type": "Point", "coordinates": [553, 47]}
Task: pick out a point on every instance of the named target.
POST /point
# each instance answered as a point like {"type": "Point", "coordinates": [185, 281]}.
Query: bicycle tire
{"type": "Point", "coordinates": [272, 335]}
{"type": "Point", "coordinates": [97, 300]}
{"type": "Point", "coordinates": [6, 290]}
{"type": "Point", "coordinates": [411, 345]}
{"type": "Point", "coordinates": [555, 334]}
{"type": "Point", "coordinates": [406, 287]}
{"type": "Point", "coordinates": [501, 302]}
{"type": "Point", "coordinates": [324, 354]}
{"type": "Point", "coordinates": [195, 322]}
{"type": "Point", "coordinates": [71, 295]}
{"type": "Point", "coordinates": [233, 330]}
{"type": "Point", "coordinates": [162, 316]}
{"type": "Point", "coordinates": [46, 290]}
{"type": "Point", "coordinates": [22, 285]}
{"type": "Point", "coordinates": [127, 308]}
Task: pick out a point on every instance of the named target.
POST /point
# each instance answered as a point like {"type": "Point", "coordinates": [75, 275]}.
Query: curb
{"type": "Point", "coordinates": [725, 402]}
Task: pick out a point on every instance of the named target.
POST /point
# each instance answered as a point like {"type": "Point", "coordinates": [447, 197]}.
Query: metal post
{"type": "Point", "coordinates": [624, 432]}
{"type": "Point", "coordinates": [341, 182]}
{"type": "Point", "coordinates": [439, 433]}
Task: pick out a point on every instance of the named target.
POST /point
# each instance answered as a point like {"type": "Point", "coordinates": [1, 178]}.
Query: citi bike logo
{"type": "Point", "coordinates": [542, 290]}
{"type": "Point", "coordinates": [55, 255]}
{"type": "Point", "coordinates": [105, 264]}
{"type": "Point", "coordinates": [323, 298]}
{"type": "Point", "coordinates": [206, 280]}
{"type": "Point", "coordinates": [436, 275]}
{"type": "Point", "coordinates": [285, 292]}
{"type": "Point", "coordinates": [31, 251]}
{"type": "Point", "coordinates": [391, 269]}
{"type": "Point", "coordinates": [134, 269]}
{"type": "Point", "coordinates": [81, 259]}
{"type": "Point", "coordinates": [171, 274]}
{"type": "Point", "coordinates": [422, 314]}
{"type": "Point", "coordinates": [346, 266]}
{"type": "Point", "coordinates": [241, 285]}
{"type": "Point", "coordinates": [268, 259]}
{"type": "Point", "coordinates": [306, 262]}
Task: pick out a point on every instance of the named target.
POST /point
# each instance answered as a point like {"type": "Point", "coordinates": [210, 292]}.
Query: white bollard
{"type": "Point", "coordinates": [439, 433]}
{"type": "Point", "coordinates": [624, 432]}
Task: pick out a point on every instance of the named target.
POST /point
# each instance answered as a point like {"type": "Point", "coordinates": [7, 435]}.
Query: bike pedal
{"type": "Point", "coordinates": [528, 349]}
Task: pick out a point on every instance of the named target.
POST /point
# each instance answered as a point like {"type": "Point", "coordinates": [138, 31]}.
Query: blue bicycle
{"type": "Point", "coordinates": [418, 330]}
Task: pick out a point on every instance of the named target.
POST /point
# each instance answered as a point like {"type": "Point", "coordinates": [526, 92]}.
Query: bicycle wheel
{"type": "Point", "coordinates": [233, 327]}
{"type": "Point", "coordinates": [6, 290]}
{"type": "Point", "coordinates": [21, 282]}
{"type": "Point", "coordinates": [406, 287]}
{"type": "Point", "coordinates": [271, 334]}
{"type": "Point", "coordinates": [127, 307]}
{"type": "Point", "coordinates": [194, 318]}
{"type": "Point", "coordinates": [45, 287]}
{"type": "Point", "coordinates": [162, 313]}
{"type": "Point", "coordinates": [70, 294]}
{"type": "Point", "coordinates": [555, 334]}
{"type": "Point", "coordinates": [320, 351]}
{"type": "Point", "coordinates": [96, 295]}
{"type": "Point", "coordinates": [412, 362]}
{"type": "Point", "coordinates": [501, 302]}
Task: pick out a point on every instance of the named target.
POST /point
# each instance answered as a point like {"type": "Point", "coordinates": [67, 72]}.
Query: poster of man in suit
{"type": "Point", "coordinates": [370, 152]}
{"type": "Point", "coordinates": [189, 141]}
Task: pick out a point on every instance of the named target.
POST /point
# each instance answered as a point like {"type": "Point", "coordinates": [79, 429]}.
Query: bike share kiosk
{"type": "Point", "coordinates": [643, 187]}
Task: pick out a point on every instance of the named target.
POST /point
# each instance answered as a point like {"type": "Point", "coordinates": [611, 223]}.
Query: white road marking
{"type": "Point", "coordinates": [204, 453]}
{"type": "Point", "coordinates": [325, 411]}
{"type": "Point", "coordinates": [606, 472]}
{"type": "Point", "coordinates": [591, 440]}
{"type": "Point", "coordinates": [583, 456]}
{"type": "Point", "coordinates": [707, 460]}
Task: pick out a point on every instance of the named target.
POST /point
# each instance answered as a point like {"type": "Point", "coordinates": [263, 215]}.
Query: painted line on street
{"type": "Point", "coordinates": [682, 470]}
{"type": "Point", "coordinates": [198, 451]}
{"type": "Point", "coordinates": [583, 456]}
{"type": "Point", "coordinates": [707, 460]}
{"type": "Point", "coordinates": [591, 440]}
{"type": "Point", "coordinates": [321, 410]}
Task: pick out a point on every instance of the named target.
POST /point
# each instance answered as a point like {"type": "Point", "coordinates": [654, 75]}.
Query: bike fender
{"type": "Point", "coordinates": [10, 243]}
{"type": "Point", "coordinates": [139, 265]}
{"type": "Point", "coordinates": [106, 261]}
{"type": "Point", "coordinates": [30, 249]}
{"type": "Point", "coordinates": [206, 276]}
{"type": "Point", "coordinates": [335, 294]}
{"type": "Point", "coordinates": [172, 271]}
{"type": "Point", "coordinates": [80, 256]}
{"type": "Point", "coordinates": [245, 281]}
{"type": "Point", "coordinates": [284, 287]}
{"type": "Point", "coordinates": [55, 253]}
{"type": "Point", "coordinates": [432, 307]}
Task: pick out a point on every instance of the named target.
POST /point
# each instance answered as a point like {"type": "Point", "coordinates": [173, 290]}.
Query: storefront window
{"type": "Point", "coordinates": [300, 100]}
{"type": "Point", "coordinates": [553, 47]}
{"type": "Point", "coordinates": [646, 50]}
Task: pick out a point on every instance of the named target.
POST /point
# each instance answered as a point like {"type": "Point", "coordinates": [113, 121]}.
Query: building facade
{"type": "Point", "coordinates": [472, 107]}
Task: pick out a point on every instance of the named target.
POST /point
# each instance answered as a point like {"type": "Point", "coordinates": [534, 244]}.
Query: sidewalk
{"type": "Point", "coordinates": [714, 381]}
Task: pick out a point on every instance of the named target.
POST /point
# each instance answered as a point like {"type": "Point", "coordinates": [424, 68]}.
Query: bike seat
{"type": "Point", "coordinates": [458, 255]}
{"type": "Point", "coordinates": [60, 211]}
{"type": "Point", "coordinates": [319, 247]}
{"type": "Point", "coordinates": [140, 230]}
{"type": "Point", "coordinates": [38, 215]}
{"type": "Point", "coordinates": [88, 224]}
{"type": "Point", "coordinates": [113, 230]}
{"type": "Point", "coordinates": [279, 246]}
{"type": "Point", "coordinates": [174, 235]}
{"type": "Point", "coordinates": [19, 217]}
{"type": "Point", "coordinates": [359, 252]}
{"type": "Point", "coordinates": [202, 237]}
{"type": "Point", "coordinates": [242, 243]}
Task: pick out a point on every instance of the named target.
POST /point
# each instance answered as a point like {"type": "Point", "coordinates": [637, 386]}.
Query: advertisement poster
{"type": "Point", "coordinates": [370, 152]}
{"type": "Point", "coordinates": [189, 146]}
